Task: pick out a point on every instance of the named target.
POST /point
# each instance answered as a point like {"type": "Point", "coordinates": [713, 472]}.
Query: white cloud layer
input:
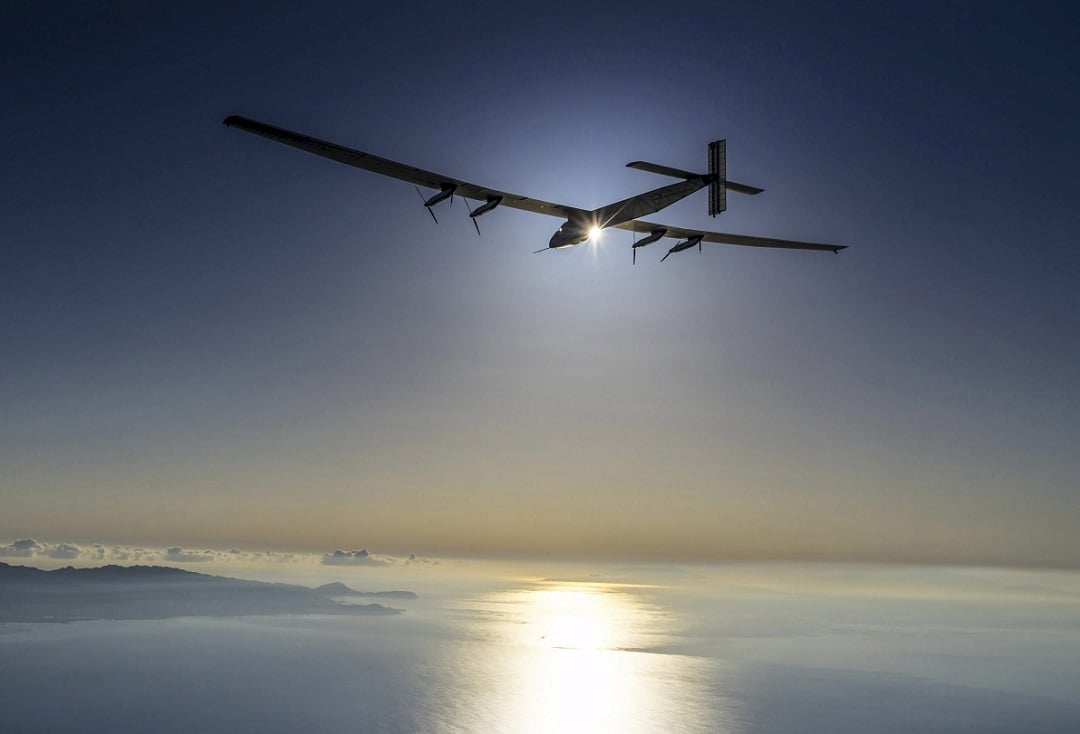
{"type": "Point", "coordinates": [127, 554]}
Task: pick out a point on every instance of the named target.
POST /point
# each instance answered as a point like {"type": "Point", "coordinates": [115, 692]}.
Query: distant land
{"type": "Point", "coordinates": [339, 589]}
{"type": "Point", "coordinates": [158, 592]}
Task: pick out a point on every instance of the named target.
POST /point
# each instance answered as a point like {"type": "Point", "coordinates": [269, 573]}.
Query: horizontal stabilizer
{"type": "Point", "coordinates": [680, 173]}
{"type": "Point", "coordinates": [743, 188]}
{"type": "Point", "coordinates": [662, 170]}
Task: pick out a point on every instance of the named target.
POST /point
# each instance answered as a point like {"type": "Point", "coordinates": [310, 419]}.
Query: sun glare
{"type": "Point", "coordinates": [574, 618]}
{"type": "Point", "coordinates": [580, 666]}
{"type": "Point", "coordinates": [594, 235]}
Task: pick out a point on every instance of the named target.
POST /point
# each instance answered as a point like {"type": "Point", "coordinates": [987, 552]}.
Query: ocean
{"type": "Point", "coordinates": [734, 648]}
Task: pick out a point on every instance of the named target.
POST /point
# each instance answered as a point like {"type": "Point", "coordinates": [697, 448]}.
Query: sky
{"type": "Point", "coordinates": [211, 340]}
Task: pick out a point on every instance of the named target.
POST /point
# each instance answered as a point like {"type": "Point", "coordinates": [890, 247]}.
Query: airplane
{"type": "Point", "coordinates": [580, 224]}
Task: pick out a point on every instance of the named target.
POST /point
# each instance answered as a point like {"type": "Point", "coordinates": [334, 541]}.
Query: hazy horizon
{"type": "Point", "coordinates": [44, 553]}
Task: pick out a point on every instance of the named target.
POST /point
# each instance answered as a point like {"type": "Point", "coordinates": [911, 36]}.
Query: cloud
{"type": "Point", "coordinates": [64, 550]}
{"type": "Point", "coordinates": [275, 557]}
{"type": "Point", "coordinates": [177, 554]}
{"type": "Point", "coordinates": [30, 548]}
{"type": "Point", "coordinates": [24, 548]}
{"type": "Point", "coordinates": [414, 560]}
{"type": "Point", "coordinates": [121, 553]}
{"type": "Point", "coordinates": [354, 558]}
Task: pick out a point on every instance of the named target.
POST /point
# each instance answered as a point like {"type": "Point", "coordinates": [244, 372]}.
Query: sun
{"type": "Point", "coordinates": [594, 234]}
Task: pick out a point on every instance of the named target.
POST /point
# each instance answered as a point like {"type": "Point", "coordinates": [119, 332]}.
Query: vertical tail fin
{"type": "Point", "coordinates": [718, 169]}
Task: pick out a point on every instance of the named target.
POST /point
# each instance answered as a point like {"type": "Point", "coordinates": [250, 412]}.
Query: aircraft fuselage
{"type": "Point", "coordinates": [575, 231]}
{"type": "Point", "coordinates": [571, 233]}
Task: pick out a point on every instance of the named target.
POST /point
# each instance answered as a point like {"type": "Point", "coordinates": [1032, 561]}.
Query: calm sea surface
{"type": "Point", "coordinates": [726, 649]}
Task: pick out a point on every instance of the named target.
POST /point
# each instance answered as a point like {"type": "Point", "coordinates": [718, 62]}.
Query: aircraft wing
{"type": "Point", "coordinates": [724, 238]}
{"type": "Point", "coordinates": [387, 167]}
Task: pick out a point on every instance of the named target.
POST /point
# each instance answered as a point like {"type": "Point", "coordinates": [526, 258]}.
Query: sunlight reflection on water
{"type": "Point", "coordinates": [573, 660]}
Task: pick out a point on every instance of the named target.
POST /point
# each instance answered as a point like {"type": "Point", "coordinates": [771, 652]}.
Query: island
{"type": "Point", "coordinates": [339, 589]}
{"type": "Point", "coordinates": [158, 592]}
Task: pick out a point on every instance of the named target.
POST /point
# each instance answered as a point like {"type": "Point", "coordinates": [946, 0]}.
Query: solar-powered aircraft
{"type": "Point", "coordinates": [580, 224]}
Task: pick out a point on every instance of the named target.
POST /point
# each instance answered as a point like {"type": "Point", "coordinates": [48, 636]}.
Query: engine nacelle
{"type": "Point", "coordinates": [492, 202]}
{"type": "Point", "coordinates": [653, 237]}
{"type": "Point", "coordinates": [446, 190]}
{"type": "Point", "coordinates": [685, 245]}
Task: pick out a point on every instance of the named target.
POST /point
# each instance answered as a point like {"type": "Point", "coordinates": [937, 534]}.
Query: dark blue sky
{"type": "Point", "coordinates": [212, 338]}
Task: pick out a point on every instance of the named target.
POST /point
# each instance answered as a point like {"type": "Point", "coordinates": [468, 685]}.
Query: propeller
{"type": "Point", "coordinates": [429, 209]}
{"type": "Point", "coordinates": [472, 217]}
